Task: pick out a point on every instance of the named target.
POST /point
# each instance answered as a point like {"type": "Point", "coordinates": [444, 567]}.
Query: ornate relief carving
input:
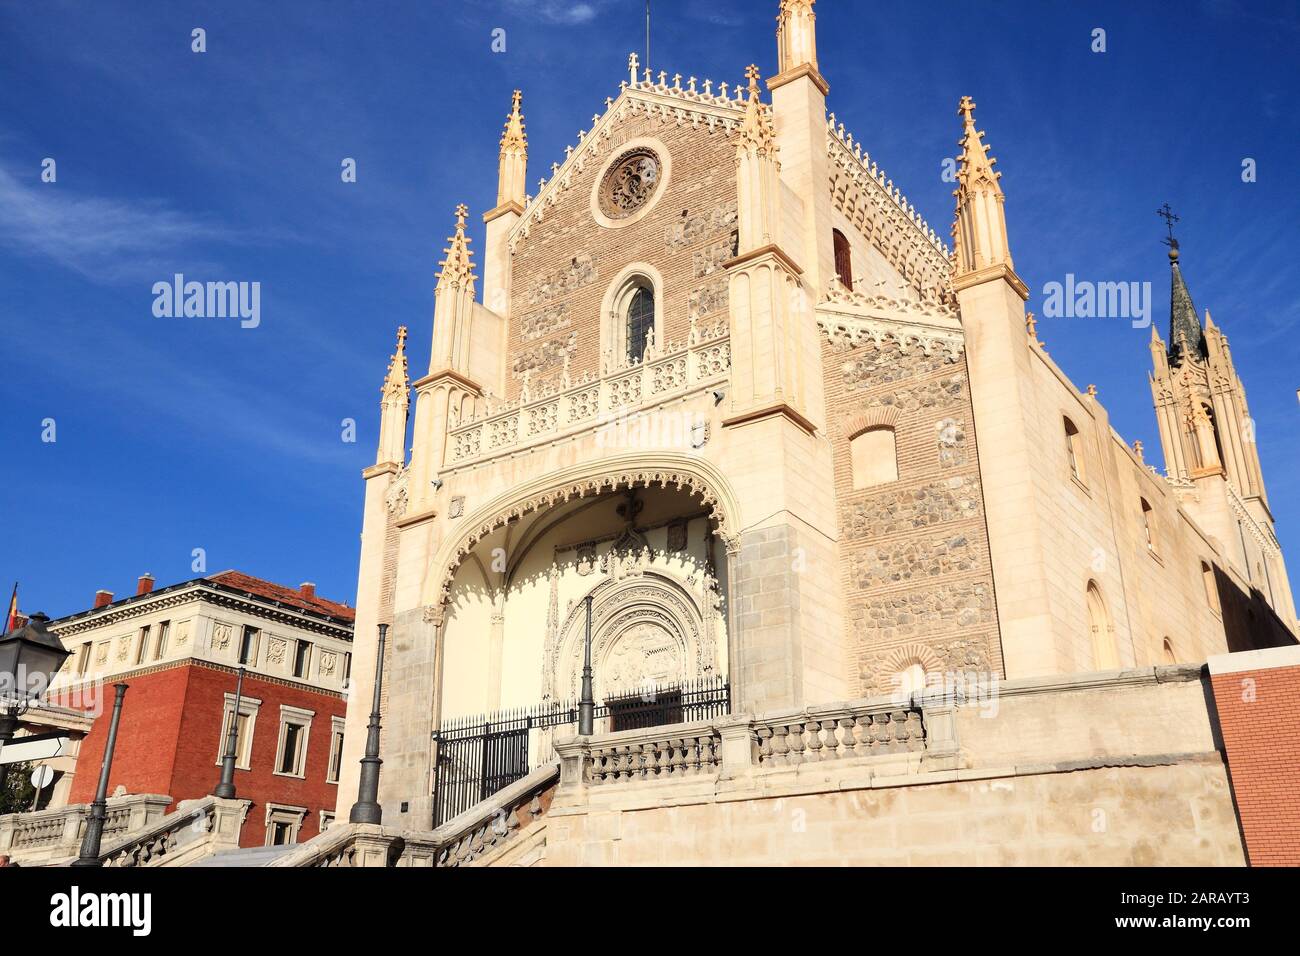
{"type": "Point", "coordinates": [396, 498]}
{"type": "Point", "coordinates": [329, 663]}
{"type": "Point", "coordinates": [604, 484]}
{"type": "Point", "coordinates": [456, 507]}
{"type": "Point", "coordinates": [221, 636]}
{"type": "Point", "coordinates": [275, 651]}
{"type": "Point", "coordinates": [630, 182]}
{"type": "Point", "coordinates": [586, 559]}
{"type": "Point", "coordinates": [677, 535]}
{"type": "Point", "coordinates": [655, 613]}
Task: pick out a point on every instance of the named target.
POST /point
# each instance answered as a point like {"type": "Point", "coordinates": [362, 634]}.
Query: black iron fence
{"type": "Point", "coordinates": [478, 756]}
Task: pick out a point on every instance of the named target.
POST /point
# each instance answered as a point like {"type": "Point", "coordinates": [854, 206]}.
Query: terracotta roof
{"type": "Point", "coordinates": [290, 597]}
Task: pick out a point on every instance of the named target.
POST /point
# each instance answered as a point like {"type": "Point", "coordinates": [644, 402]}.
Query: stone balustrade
{"type": "Point", "coordinates": [687, 750]}
{"type": "Point", "coordinates": [740, 744]}
{"type": "Point", "coordinates": [590, 403]}
{"type": "Point", "coordinates": [54, 834]}
{"type": "Point", "coordinates": [195, 829]}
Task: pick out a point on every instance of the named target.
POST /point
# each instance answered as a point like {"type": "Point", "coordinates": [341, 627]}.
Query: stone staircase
{"type": "Point", "coordinates": [247, 856]}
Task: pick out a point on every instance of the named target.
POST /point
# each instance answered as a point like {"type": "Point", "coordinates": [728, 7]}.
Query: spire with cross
{"type": "Point", "coordinates": [1170, 217]}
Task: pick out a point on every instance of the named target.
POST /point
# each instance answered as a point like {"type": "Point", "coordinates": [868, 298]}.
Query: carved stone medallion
{"type": "Point", "coordinates": [630, 183]}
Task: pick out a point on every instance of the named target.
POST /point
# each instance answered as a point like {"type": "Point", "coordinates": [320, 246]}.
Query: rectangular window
{"type": "Point", "coordinates": [301, 659]}
{"type": "Point", "coordinates": [290, 748]}
{"type": "Point", "coordinates": [142, 646]}
{"type": "Point", "coordinates": [248, 646]}
{"type": "Point", "coordinates": [248, 708]}
{"type": "Point", "coordinates": [283, 824]}
{"type": "Point", "coordinates": [83, 659]}
{"type": "Point", "coordinates": [160, 648]}
{"type": "Point", "coordinates": [335, 768]}
{"type": "Point", "coordinates": [295, 728]}
{"type": "Point", "coordinates": [243, 737]}
{"type": "Point", "coordinates": [347, 666]}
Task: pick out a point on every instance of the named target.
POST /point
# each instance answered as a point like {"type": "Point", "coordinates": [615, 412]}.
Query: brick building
{"type": "Point", "coordinates": [1257, 696]}
{"type": "Point", "coordinates": [179, 649]}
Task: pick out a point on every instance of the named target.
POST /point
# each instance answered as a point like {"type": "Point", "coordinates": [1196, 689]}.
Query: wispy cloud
{"type": "Point", "coordinates": [570, 12]}
{"type": "Point", "coordinates": [103, 239]}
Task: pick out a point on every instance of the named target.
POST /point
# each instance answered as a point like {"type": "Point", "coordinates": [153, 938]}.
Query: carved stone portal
{"type": "Point", "coordinates": [649, 629]}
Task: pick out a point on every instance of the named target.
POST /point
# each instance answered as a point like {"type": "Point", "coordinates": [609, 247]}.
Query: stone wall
{"type": "Point", "coordinates": [914, 553]}
{"type": "Point", "coordinates": [1115, 769]}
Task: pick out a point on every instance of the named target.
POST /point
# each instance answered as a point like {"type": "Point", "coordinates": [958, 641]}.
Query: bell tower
{"type": "Point", "coordinates": [1209, 441]}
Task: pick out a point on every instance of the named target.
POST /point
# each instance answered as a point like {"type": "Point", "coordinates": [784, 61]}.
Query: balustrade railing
{"type": "Point", "coordinates": [479, 756]}
{"type": "Point", "coordinates": [678, 369]}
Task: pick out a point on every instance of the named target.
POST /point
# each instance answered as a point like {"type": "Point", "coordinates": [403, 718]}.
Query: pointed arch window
{"type": "Point", "coordinates": [1149, 526]}
{"type": "Point", "coordinates": [1105, 655]}
{"type": "Point", "coordinates": [638, 321]}
{"type": "Point", "coordinates": [1211, 588]}
{"type": "Point", "coordinates": [1074, 450]}
{"type": "Point", "coordinates": [843, 259]}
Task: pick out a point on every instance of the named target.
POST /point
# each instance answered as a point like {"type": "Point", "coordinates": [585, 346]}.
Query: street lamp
{"type": "Point", "coordinates": [587, 703]}
{"type": "Point", "coordinates": [367, 808]}
{"type": "Point", "coordinates": [30, 656]}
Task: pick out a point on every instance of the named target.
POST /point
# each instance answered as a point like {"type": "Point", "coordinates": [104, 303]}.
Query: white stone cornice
{"type": "Point", "coordinates": [852, 319]}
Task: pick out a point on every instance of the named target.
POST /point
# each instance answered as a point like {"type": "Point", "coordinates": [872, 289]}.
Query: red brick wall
{"type": "Point", "coordinates": [169, 740]}
{"type": "Point", "coordinates": [1259, 717]}
{"type": "Point", "coordinates": [146, 738]}
{"type": "Point", "coordinates": [196, 768]}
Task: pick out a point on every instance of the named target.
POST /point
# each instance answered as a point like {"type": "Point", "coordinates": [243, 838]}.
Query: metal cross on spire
{"type": "Point", "coordinates": [1170, 217]}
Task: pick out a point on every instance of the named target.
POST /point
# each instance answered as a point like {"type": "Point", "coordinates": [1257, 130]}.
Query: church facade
{"type": "Point", "coordinates": [717, 396]}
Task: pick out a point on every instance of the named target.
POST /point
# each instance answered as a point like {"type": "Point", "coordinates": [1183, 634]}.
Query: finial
{"type": "Point", "coordinates": [966, 110]}
{"type": "Point", "coordinates": [1170, 217]}
{"type": "Point", "coordinates": [462, 211]}
{"type": "Point", "coordinates": [1031, 325]}
{"type": "Point", "coordinates": [1092, 391]}
{"type": "Point", "coordinates": [632, 62]}
{"type": "Point", "coordinates": [401, 338]}
{"type": "Point", "coordinates": [1137, 449]}
{"type": "Point", "coordinates": [752, 74]}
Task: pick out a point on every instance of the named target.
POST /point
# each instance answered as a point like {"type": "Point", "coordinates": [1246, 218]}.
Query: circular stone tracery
{"type": "Point", "coordinates": [629, 183]}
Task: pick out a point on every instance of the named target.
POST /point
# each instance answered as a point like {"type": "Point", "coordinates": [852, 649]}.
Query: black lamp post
{"type": "Point", "coordinates": [587, 702]}
{"type": "Point", "coordinates": [367, 808]}
{"type": "Point", "coordinates": [30, 656]}
{"type": "Point", "coordinates": [90, 842]}
{"type": "Point", "coordinates": [226, 787]}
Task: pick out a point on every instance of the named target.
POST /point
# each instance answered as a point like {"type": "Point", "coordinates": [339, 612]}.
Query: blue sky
{"type": "Point", "coordinates": [175, 434]}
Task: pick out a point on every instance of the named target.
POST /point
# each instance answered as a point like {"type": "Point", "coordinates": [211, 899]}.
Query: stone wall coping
{"type": "Point", "coordinates": [485, 810]}
{"type": "Point", "coordinates": [1264, 659]}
